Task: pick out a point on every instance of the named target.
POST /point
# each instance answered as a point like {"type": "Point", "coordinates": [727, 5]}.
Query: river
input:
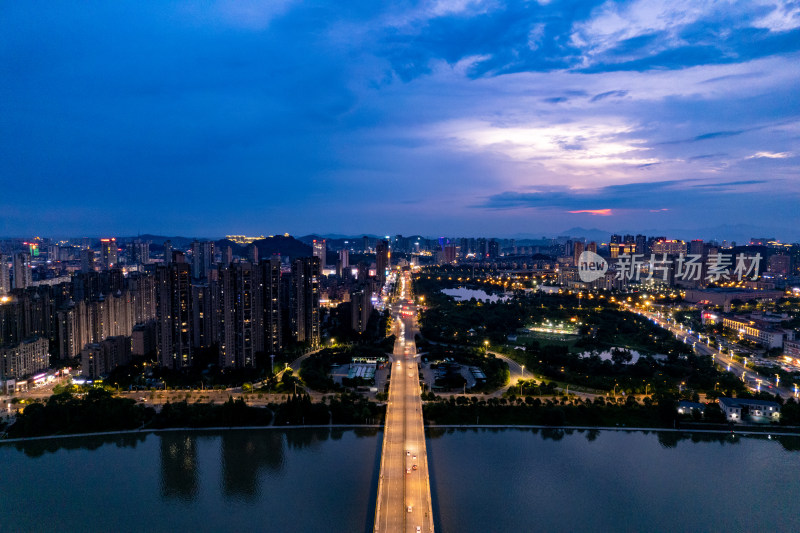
{"type": "Point", "coordinates": [325, 480]}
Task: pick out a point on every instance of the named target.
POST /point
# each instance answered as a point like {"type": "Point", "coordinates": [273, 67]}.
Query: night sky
{"type": "Point", "coordinates": [440, 118]}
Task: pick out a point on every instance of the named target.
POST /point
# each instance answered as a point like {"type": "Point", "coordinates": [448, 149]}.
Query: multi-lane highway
{"type": "Point", "coordinates": [751, 378]}
{"type": "Point", "coordinates": [404, 494]}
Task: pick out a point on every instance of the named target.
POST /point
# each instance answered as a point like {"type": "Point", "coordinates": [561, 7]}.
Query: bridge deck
{"type": "Point", "coordinates": [404, 481]}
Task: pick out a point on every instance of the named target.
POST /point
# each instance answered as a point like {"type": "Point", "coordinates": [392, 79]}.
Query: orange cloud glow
{"type": "Point", "coordinates": [599, 212]}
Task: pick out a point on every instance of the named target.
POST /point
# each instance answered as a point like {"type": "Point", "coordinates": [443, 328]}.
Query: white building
{"type": "Point", "coordinates": [737, 408]}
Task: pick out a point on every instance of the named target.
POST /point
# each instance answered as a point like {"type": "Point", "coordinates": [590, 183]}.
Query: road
{"type": "Point", "coordinates": [404, 493]}
{"type": "Point", "coordinates": [752, 379]}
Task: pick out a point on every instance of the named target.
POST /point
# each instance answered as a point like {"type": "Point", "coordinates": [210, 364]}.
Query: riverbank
{"type": "Point", "coordinates": [745, 431]}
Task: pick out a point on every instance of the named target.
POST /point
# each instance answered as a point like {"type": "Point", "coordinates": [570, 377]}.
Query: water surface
{"type": "Point", "coordinates": [237, 480]}
{"type": "Point", "coordinates": [463, 293]}
{"type": "Point", "coordinates": [318, 480]}
{"type": "Point", "coordinates": [552, 480]}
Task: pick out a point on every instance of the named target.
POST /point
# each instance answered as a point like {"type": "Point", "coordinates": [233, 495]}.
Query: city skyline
{"type": "Point", "coordinates": [446, 118]}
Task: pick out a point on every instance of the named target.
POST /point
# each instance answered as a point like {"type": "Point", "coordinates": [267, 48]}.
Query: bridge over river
{"type": "Point", "coordinates": [404, 490]}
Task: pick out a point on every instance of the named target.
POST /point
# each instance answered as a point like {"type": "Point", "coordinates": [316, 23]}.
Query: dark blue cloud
{"type": "Point", "coordinates": [707, 136]}
{"type": "Point", "coordinates": [608, 94]}
{"type": "Point", "coordinates": [278, 116]}
{"type": "Point", "coordinates": [641, 195]}
{"type": "Point", "coordinates": [501, 37]}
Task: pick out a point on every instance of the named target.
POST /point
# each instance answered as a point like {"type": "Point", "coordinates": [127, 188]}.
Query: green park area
{"type": "Point", "coordinates": [588, 341]}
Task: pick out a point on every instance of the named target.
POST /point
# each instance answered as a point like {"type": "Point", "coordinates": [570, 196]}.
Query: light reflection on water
{"type": "Point", "coordinates": [326, 480]}
{"type": "Point", "coordinates": [590, 480]}
{"type": "Point", "coordinates": [276, 480]}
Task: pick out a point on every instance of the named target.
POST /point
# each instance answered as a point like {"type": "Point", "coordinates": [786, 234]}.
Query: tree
{"type": "Point", "coordinates": [621, 357]}
{"type": "Point", "coordinates": [714, 414]}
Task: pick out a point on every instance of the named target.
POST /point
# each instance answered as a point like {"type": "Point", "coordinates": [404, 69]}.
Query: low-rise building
{"type": "Point", "coordinates": [791, 349]}
{"type": "Point", "coordinates": [686, 407]}
{"type": "Point", "coordinates": [725, 296]}
{"type": "Point", "coordinates": [737, 409]}
{"type": "Point", "coordinates": [755, 330]}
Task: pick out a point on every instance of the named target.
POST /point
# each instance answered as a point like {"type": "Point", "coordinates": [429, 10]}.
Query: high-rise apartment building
{"type": "Point", "coordinates": [641, 244]}
{"type": "Point", "coordinates": [251, 254]}
{"type": "Point", "coordinates": [450, 253]}
{"type": "Point", "coordinates": [577, 250]}
{"type": "Point", "coordinates": [494, 249]}
{"type": "Point", "coordinates": [382, 258]}
{"type": "Point", "coordinates": [22, 270]}
{"type": "Point", "coordinates": [5, 275]}
{"type": "Point", "coordinates": [98, 359]}
{"type": "Point", "coordinates": [361, 308]}
{"type": "Point", "coordinates": [168, 249]}
{"type": "Point", "coordinates": [205, 314]}
{"type": "Point", "coordinates": [143, 339]}
{"type": "Point", "coordinates": [202, 259]}
{"type": "Point", "coordinates": [108, 252]}
{"type": "Point", "coordinates": [343, 265]}
{"type": "Point", "coordinates": [320, 250]}
{"type": "Point", "coordinates": [22, 360]}
{"type": "Point", "coordinates": [241, 328]}
{"type": "Point", "coordinates": [271, 291]}
{"type": "Point", "coordinates": [143, 291]}
{"type": "Point", "coordinates": [304, 305]}
{"type": "Point", "coordinates": [87, 260]}
{"type": "Point", "coordinates": [139, 252]}
{"type": "Point", "coordinates": [174, 292]}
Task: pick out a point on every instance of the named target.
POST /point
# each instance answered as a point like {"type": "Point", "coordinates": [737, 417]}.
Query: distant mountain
{"type": "Point", "coordinates": [177, 242]}
{"type": "Point", "coordinates": [308, 239]}
{"type": "Point", "coordinates": [594, 234]}
{"type": "Point", "coordinates": [283, 246]}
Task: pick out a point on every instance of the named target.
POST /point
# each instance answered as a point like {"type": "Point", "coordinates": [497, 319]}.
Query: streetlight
{"type": "Point", "coordinates": [777, 380]}
{"type": "Point", "coordinates": [523, 371]}
{"type": "Point", "coordinates": [716, 385]}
